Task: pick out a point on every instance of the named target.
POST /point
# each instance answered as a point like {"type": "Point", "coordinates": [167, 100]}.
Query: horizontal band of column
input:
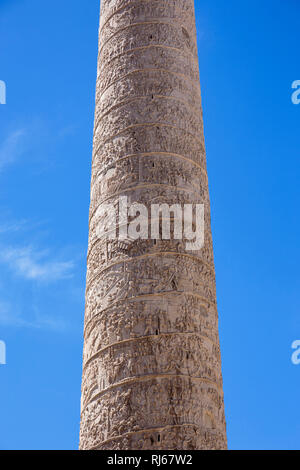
{"type": "Point", "coordinates": [178, 50]}
{"type": "Point", "coordinates": [145, 378]}
{"type": "Point", "coordinates": [149, 69]}
{"type": "Point", "coordinates": [103, 238]}
{"type": "Point", "coordinates": [141, 186]}
{"type": "Point", "coordinates": [159, 429]}
{"type": "Point", "coordinates": [123, 7]}
{"type": "Point", "coordinates": [139, 98]}
{"type": "Point", "coordinates": [149, 255]}
{"type": "Point", "coordinates": [152, 46]}
{"type": "Point", "coordinates": [121, 226]}
{"type": "Point", "coordinates": [140, 298]}
{"type": "Point", "coordinates": [120, 9]}
{"type": "Point", "coordinates": [141, 338]}
{"type": "Point", "coordinates": [152, 154]}
{"type": "Point", "coordinates": [148, 124]}
{"type": "Point", "coordinates": [142, 23]}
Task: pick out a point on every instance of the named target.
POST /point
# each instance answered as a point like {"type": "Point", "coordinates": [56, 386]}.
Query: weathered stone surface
{"type": "Point", "coordinates": [117, 14]}
{"type": "Point", "coordinates": [151, 361]}
{"type": "Point", "coordinates": [147, 111]}
{"type": "Point", "coordinates": [182, 437]}
{"type": "Point", "coordinates": [129, 13]}
{"type": "Point", "coordinates": [137, 405]}
{"type": "Point", "coordinates": [149, 315]}
{"type": "Point", "coordinates": [150, 82]}
{"type": "Point", "coordinates": [155, 58]}
{"type": "Point", "coordinates": [167, 354]}
{"type": "Point", "coordinates": [153, 169]}
{"type": "Point", "coordinates": [148, 139]}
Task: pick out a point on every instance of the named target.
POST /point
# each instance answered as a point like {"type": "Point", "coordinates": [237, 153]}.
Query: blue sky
{"type": "Point", "coordinates": [249, 57]}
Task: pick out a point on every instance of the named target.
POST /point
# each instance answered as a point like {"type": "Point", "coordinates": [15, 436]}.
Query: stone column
{"type": "Point", "coordinates": [151, 365]}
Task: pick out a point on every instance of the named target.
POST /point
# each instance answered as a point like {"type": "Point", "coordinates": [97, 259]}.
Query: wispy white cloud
{"type": "Point", "coordinates": [10, 317]}
{"type": "Point", "coordinates": [11, 148]}
{"type": "Point", "coordinates": [10, 227]}
{"type": "Point", "coordinates": [20, 228]}
{"type": "Point", "coordinates": [34, 265]}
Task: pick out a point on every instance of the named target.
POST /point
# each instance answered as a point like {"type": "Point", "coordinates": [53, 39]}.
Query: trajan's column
{"type": "Point", "coordinates": [151, 367]}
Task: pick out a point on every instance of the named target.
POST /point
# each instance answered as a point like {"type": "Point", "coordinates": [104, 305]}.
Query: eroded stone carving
{"type": "Point", "coordinates": [151, 362]}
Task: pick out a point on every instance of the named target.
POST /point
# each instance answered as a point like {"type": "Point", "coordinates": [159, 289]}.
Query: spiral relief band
{"type": "Point", "coordinates": [151, 363]}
